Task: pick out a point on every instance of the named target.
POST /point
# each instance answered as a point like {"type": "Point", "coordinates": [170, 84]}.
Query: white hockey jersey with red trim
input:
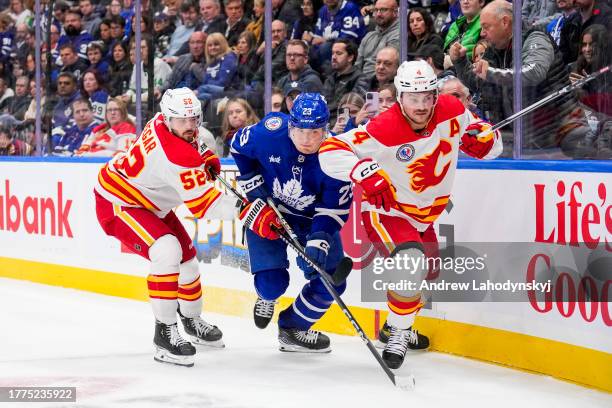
{"type": "Point", "coordinates": [421, 166]}
{"type": "Point", "coordinates": [159, 172]}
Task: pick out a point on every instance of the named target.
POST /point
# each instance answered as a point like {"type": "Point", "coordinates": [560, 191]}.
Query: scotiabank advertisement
{"type": "Point", "coordinates": [548, 233]}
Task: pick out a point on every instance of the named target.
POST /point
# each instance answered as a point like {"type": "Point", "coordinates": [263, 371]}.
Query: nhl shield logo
{"type": "Point", "coordinates": [273, 123]}
{"type": "Point", "coordinates": [405, 152]}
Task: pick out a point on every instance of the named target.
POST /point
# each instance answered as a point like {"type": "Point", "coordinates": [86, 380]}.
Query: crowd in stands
{"type": "Point", "coordinates": [348, 50]}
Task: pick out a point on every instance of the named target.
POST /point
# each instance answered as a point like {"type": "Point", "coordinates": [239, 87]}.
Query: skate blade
{"type": "Point", "coordinates": [292, 348]}
{"type": "Point", "coordinates": [214, 344]}
{"type": "Point", "coordinates": [163, 356]}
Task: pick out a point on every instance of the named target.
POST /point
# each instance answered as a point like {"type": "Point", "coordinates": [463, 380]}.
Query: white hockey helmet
{"type": "Point", "coordinates": [180, 103]}
{"type": "Point", "coordinates": [415, 76]}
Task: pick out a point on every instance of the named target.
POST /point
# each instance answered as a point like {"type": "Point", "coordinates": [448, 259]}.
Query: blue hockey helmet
{"type": "Point", "coordinates": [309, 111]}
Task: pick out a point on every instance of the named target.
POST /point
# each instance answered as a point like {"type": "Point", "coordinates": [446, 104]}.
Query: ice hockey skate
{"type": "Point", "coordinates": [171, 347]}
{"type": "Point", "coordinates": [398, 344]}
{"type": "Point", "coordinates": [201, 332]}
{"type": "Point", "coordinates": [422, 341]}
{"type": "Point", "coordinates": [263, 311]}
{"type": "Point", "coordinates": [303, 341]}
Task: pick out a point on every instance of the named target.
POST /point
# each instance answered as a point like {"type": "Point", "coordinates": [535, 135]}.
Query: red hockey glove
{"type": "Point", "coordinates": [478, 147]}
{"type": "Point", "coordinates": [376, 187]}
{"type": "Point", "coordinates": [211, 163]}
{"type": "Point", "coordinates": [261, 219]}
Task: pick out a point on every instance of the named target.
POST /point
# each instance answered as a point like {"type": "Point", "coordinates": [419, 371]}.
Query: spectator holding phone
{"type": "Point", "coordinates": [350, 106]}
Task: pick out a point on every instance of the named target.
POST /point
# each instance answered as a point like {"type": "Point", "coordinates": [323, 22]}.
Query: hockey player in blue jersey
{"type": "Point", "coordinates": [278, 158]}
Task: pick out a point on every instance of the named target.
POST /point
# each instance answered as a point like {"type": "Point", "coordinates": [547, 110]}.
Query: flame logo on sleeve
{"type": "Point", "coordinates": [423, 170]}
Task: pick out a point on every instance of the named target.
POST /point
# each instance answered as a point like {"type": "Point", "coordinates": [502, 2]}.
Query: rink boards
{"type": "Point", "coordinates": [49, 234]}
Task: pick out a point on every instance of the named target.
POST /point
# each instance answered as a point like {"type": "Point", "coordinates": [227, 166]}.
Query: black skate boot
{"type": "Point", "coordinates": [303, 341]}
{"type": "Point", "coordinates": [399, 342]}
{"type": "Point", "coordinates": [171, 347]}
{"type": "Point", "coordinates": [422, 342]}
{"type": "Point", "coordinates": [201, 332]}
{"type": "Point", "coordinates": [263, 311]}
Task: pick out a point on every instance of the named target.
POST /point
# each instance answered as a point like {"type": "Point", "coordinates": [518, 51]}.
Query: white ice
{"type": "Point", "coordinates": [102, 345]}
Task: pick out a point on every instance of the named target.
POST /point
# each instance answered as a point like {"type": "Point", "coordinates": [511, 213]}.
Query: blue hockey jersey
{"type": "Point", "coordinates": [79, 41]}
{"type": "Point", "coordinates": [294, 180]}
{"type": "Point", "coordinates": [6, 45]}
{"type": "Point", "coordinates": [346, 23]}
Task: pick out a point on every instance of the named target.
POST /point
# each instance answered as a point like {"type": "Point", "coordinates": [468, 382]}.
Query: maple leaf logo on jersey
{"type": "Point", "coordinates": [423, 170]}
{"type": "Point", "coordinates": [291, 193]}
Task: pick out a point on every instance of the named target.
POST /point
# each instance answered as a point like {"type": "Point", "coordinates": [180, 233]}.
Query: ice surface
{"type": "Point", "coordinates": [53, 336]}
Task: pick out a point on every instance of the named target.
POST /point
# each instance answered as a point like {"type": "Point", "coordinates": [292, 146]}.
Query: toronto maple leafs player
{"type": "Point", "coordinates": [278, 158]}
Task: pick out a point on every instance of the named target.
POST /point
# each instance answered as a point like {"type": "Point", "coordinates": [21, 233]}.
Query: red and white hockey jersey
{"type": "Point", "coordinates": [421, 166]}
{"type": "Point", "coordinates": [159, 172]}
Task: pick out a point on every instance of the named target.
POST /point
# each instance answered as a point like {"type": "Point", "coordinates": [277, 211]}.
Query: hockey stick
{"type": "Point", "coordinates": [346, 263]}
{"type": "Point", "coordinates": [339, 275]}
{"type": "Point", "coordinates": [542, 102]}
{"type": "Point", "coordinates": [405, 383]}
{"type": "Point", "coordinates": [344, 266]}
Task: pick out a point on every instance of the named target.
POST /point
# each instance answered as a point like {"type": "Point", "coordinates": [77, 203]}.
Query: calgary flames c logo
{"type": "Point", "coordinates": [423, 170]}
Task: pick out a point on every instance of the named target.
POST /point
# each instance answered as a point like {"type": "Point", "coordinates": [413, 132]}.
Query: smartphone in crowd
{"type": "Point", "coordinates": [372, 102]}
{"type": "Point", "coordinates": [343, 115]}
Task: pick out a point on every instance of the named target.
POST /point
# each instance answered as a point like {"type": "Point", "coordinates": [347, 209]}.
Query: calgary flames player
{"type": "Point", "coordinates": [135, 195]}
{"type": "Point", "coordinates": [404, 160]}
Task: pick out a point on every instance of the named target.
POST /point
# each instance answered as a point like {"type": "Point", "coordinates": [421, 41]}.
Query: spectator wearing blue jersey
{"type": "Point", "coordinates": [221, 66]}
{"type": "Point", "coordinates": [95, 55]}
{"type": "Point", "coordinates": [75, 34]}
{"type": "Point", "coordinates": [7, 38]}
{"type": "Point", "coordinates": [93, 89]}
{"type": "Point", "coordinates": [337, 19]}
{"type": "Point", "coordinates": [126, 13]}
{"type": "Point", "coordinates": [567, 9]}
{"type": "Point", "coordinates": [71, 140]}
{"type": "Point", "coordinates": [300, 72]}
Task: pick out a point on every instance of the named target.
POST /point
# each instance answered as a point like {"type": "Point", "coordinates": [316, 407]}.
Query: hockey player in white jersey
{"type": "Point", "coordinates": [405, 160]}
{"type": "Point", "coordinates": [136, 193]}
